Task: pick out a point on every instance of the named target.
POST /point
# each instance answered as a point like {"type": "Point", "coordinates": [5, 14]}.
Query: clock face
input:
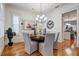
{"type": "Point", "coordinates": [50, 24]}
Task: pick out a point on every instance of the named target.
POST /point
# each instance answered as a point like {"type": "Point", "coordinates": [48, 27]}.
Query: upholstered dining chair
{"type": "Point", "coordinates": [30, 46]}
{"type": "Point", "coordinates": [46, 47]}
{"type": "Point", "coordinates": [56, 40]}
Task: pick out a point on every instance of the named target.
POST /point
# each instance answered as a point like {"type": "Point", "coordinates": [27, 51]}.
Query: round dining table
{"type": "Point", "coordinates": [37, 38]}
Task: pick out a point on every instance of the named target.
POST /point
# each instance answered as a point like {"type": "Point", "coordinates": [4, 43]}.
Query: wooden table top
{"type": "Point", "coordinates": [37, 37]}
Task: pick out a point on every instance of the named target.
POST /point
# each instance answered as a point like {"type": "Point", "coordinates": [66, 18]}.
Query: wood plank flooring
{"type": "Point", "coordinates": [63, 49]}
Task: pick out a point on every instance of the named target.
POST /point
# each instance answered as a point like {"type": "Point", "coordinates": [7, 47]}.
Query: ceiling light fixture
{"type": "Point", "coordinates": [41, 18]}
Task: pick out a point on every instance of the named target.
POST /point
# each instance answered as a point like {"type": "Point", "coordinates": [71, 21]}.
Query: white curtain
{"type": "Point", "coordinates": [16, 25]}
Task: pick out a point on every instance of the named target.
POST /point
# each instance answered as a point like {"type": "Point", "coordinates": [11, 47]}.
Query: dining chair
{"type": "Point", "coordinates": [30, 46]}
{"type": "Point", "coordinates": [46, 47]}
{"type": "Point", "coordinates": [56, 40]}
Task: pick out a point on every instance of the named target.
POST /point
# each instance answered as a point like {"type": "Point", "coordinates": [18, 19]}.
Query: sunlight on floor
{"type": "Point", "coordinates": [68, 51]}
{"type": "Point", "coordinates": [17, 54]}
{"type": "Point", "coordinates": [72, 46]}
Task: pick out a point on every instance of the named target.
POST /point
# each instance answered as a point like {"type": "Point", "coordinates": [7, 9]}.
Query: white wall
{"type": "Point", "coordinates": [77, 27]}
{"type": "Point", "coordinates": [24, 14]}
{"type": "Point", "coordinates": [2, 17]}
{"type": "Point", "coordinates": [56, 16]}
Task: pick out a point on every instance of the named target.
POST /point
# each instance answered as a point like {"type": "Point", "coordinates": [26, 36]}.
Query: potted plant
{"type": "Point", "coordinates": [10, 35]}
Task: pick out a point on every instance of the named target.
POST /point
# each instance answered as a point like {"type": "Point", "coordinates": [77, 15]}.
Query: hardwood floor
{"type": "Point", "coordinates": [64, 49]}
{"type": "Point", "coordinates": [17, 50]}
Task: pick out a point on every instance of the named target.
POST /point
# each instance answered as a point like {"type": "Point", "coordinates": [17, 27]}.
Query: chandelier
{"type": "Point", "coordinates": [41, 17]}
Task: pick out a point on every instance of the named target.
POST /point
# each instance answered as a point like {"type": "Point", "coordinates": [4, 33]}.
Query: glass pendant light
{"type": "Point", "coordinates": [41, 18]}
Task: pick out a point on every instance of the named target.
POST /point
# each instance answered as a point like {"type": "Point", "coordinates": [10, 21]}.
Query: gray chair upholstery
{"type": "Point", "coordinates": [56, 40]}
{"type": "Point", "coordinates": [30, 46]}
{"type": "Point", "coordinates": [46, 47]}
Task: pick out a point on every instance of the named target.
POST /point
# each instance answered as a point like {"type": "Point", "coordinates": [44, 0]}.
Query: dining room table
{"type": "Point", "coordinates": [37, 38]}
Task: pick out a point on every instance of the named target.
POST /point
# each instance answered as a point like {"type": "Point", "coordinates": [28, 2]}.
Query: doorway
{"type": "Point", "coordinates": [70, 28]}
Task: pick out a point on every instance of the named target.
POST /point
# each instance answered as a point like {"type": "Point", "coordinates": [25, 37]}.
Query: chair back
{"type": "Point", "coordinates": [56, 41]}
{"type": "Point", "coordinates": [49, 39]}
{"type": "Point", "coordinates": [26, 37]}
{"type": "Point", "coordinates": [56, 37]}
{"type": "Point", "coordinates": [27, 41]}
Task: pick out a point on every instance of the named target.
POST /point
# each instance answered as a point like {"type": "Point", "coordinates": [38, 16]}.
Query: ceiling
{"type": "Point", "coordinates": [35, 7]}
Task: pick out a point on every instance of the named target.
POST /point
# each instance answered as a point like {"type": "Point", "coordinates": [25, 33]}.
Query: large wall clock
{"type": "Point", "coordinates": [50, 24]}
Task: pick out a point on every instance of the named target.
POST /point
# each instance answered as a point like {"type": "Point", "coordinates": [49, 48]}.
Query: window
{"type": "Point", "coordinates": [15, 21]}
{"type": "Point", "coordinates": [1, 28]}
